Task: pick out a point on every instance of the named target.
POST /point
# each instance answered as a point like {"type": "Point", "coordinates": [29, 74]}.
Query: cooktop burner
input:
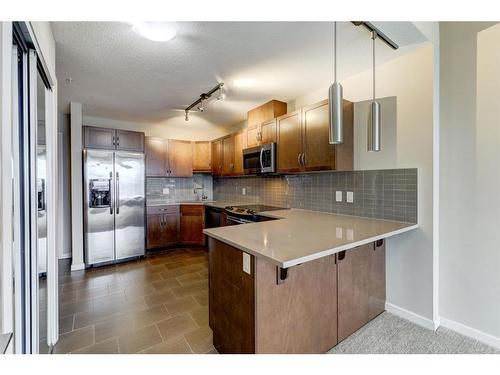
{"type": "Point", "coordinates": [252, 209]}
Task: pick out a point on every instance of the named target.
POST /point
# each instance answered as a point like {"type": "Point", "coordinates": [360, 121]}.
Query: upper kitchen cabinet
{"type": "Point", "coordinates": [168, 158]}
{"type": "Point", "coordinates": [228, 155]}
{"type": "Point", "coordinates": [202, 162]}
{"type": "Point", "coordinates": [261, 123]}
{"type": "Point", "coordinates": [289, 131]}
{"type": "Point", "coordinates": [303, 140]}
{"type": "Point", "coordinates": [217, 157]}
{"type": "Point", "coordinates": [112, 139]}
{"type": "Point", "coordinates": [180, 158]}
{"type": "Point", "coordinates": [156, 157]}
{"type": "Point", "coordinates": [238, 145]}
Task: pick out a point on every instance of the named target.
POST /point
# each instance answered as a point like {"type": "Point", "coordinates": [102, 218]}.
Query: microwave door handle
{"type": "Point", "coordinates": [261, 159]}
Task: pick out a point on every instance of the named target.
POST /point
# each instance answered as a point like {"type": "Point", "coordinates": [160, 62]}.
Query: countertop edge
{"type": "Point", "coordinates": [311, 257]}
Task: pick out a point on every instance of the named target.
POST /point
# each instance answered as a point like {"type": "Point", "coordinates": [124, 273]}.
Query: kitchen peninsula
{"type": "Point", "coordinates": [297, 284]}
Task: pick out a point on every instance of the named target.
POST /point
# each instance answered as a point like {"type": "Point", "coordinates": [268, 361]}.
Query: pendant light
{"type": "Point", "coordinates": [335, 108]}
{"type": "Point", "coordinates": [374, 131]}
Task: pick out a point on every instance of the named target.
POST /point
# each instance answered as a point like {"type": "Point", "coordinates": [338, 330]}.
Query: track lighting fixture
{"type": "Point", "coordinates": [335, 105]}
{"type": "Point", "coordinates": [200, 102]}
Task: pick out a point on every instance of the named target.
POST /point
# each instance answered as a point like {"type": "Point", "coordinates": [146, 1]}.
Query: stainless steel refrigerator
{"type": "Point", "coordinates": [114, 206]}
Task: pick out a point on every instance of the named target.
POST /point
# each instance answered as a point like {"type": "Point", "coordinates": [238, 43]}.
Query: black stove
{"type": "Point", "coordinates": [247, 213]}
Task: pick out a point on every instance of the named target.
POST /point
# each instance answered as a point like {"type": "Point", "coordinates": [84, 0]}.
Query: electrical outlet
{"type": "Point", "coordinates": [350, 197]}
{"type": "Point", "coordinates": [350, 235]}
{"type": "Point", "coordinates": [166, 191]}
{"type": "Point", "coordinates": [244, 191]}
{"type": "Point", "coordinates": [246, 263]}
{"type": "Point", "coordinates": [338, 232]}
{"type": "Point", "coordinates": [338, 196]}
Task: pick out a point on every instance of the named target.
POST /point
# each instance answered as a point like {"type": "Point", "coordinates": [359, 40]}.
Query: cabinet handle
{"type": "Point", "coordinates": [341, 255]}
{"type": "Point", "coordinates": [298, 158]}
{"type": "Point", "coordinates": [118, 141]}
{"type": "Point", "coordinates": [113, 141]}
{"type": "Point", "coordinates": [304, 159]}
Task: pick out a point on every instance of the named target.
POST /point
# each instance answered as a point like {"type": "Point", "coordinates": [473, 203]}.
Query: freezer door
{"type": "Point", "coordinates": [99, 220]}
{"type": "Point", "coordinates": [130, 204]}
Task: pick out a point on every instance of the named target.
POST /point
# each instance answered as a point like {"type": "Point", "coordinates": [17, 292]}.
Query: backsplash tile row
{"type": "Point", "coordinates": [179, 189]}
{"type": "Point", "coordinates": [385, 194]}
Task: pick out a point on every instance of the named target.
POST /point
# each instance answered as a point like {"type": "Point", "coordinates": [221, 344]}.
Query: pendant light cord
{"type": "Point", "coordinates": [374, 36]}
{"type": "Point", "coordinates": [335, 51]}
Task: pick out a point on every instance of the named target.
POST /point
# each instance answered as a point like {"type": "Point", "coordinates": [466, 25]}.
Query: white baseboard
{"type": "Point", "coordinates": [77, 267]}
{"type": "Point", "coordinates": [65, 256]}
{"type": "Point", "coordinates": [411, 316]}
{"type": "Point", "coordinates": [471, 332]}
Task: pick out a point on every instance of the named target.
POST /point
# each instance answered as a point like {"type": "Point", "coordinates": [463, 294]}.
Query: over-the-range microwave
{"type": "Point", "coordinates": [260, 159]}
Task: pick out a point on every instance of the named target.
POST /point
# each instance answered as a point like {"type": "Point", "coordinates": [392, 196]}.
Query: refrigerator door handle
{"type": "Point", "coordinates": [117, 193]}
{"type": "Point", "coordinates": [111, 201]}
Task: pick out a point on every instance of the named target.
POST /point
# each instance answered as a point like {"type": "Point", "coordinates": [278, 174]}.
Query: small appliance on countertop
{"type": "Point", "coordinates": [248, 213]}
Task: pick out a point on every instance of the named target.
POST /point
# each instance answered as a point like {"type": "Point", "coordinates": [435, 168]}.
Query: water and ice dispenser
{"type": "Point", "coordinates": [100, 193]}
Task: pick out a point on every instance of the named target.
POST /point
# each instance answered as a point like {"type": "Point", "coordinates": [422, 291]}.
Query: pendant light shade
{"type": "Point", "coordinates": [374, 128]}
{"type": "Point", "coordinates": [335, 95]}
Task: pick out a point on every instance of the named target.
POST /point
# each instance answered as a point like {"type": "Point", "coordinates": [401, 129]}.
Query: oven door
{"type": "Point", "coordinates": [233, 220]}
{"type": "Point", "coordinates": [251, 160]}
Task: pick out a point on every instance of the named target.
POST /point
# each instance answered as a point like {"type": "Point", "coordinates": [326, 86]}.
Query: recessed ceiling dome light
{"type": "Point", "coordinates": [156, 31]}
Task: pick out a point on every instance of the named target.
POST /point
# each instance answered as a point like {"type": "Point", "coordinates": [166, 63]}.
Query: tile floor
{"type": "Point", "coordinates": [154, 305]}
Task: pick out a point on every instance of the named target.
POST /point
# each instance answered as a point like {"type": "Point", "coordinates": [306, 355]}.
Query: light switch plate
{"type": "Point", "coordinates": [350, 235]}
{"type": "Point", "coordinates": [246, 263]}
{"type": "Point", "coordinates": [338, 196]}
{"type": "Point", "coordinates": [166, 191]}
{"type": "Point", "coordinates": [244, 191]}
{"type": "Point", "coordinates": [350, 197]}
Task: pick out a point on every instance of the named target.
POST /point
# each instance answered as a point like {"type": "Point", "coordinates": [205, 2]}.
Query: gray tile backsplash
{"type": "Point", "coordinates": [385, 194]}
{"type": "Point", "coordinates": [179, 188]}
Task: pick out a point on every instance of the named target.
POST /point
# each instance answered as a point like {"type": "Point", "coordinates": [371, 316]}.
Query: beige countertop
{"type": "Point", "coordinates": [301, 235]}
{"type": "Point", "coordinates": [211, 203]}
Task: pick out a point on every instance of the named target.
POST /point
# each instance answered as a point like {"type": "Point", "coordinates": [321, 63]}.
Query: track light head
{"type": "Point", "coordinates": [186, 116]}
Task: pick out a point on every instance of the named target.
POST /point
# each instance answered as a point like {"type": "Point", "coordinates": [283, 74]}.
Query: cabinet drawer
{"type": "Point", "coordinates": [156, 210]}
{"type": "Point", "coordinates": [192, 210]}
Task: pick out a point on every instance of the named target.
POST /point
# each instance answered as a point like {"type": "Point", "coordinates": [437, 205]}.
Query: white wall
{"type": "Point", "coordinates": [64, 184]}
{"type": "Point", "coordinates": [470, 211]}
{"type": "Point", "coordinates": [409, 256]}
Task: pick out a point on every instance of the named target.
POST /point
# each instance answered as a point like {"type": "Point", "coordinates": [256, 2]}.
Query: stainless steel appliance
{"type": "Point", "coordinates": [41, 171]}
{"type": "Point", "coordinates": [114, 206]}
{"type": "Point", "coordinates": [235, 215]}
{"type": "Point", "coordinates": [260, 159]}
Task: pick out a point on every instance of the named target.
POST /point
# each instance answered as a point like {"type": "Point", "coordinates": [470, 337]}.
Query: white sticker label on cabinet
{"type": "Point", "coordinates": [246, 263]}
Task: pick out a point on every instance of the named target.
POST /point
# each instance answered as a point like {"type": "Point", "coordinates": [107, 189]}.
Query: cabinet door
{"type": "Point", "coordinates": [228, 156]}
{"type": "Point", "coordinates": [239, 145]}
{"type": "Point", "coordinates": [253, 136]}
{"type": "Point", "coordinates": [154, 231]}
{"type": "Point", "coordinates": [156, 157]}
{"type": "Point", "coordinates": [361, 287]}
{"type": "Point", "coordinates": [268, 131]}
{"type": "Point", "coordinates": [217, 157]}
{"type": "Point", "coordinates": [180, 156]}
{"type": "Point", "coordinates": [192, 222]}
{"type": "Point", "coordinates": [129, 141]}
{"type": "Point", "coordinates": [201, 157]}
{"type": "Point", "coordinates": [101, 138]}
{"type": "Point", "coordinates": [319, 154]}
{"type": "Point", "coordinates": [289, 142]}
{"type": "Point", "coordinates": [170, 230]}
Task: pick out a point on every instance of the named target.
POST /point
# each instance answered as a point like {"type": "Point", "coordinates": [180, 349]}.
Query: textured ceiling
{"type": "Point", "coordinates": [120, 75]}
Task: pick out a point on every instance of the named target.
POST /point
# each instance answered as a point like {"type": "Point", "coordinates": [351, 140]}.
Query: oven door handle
{"type": "Point", "coordinates": [261, 158]}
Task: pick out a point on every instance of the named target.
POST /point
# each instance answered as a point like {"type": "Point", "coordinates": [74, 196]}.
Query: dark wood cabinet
{"type": "Point", "coordinates": [228, 155]}
{"type": "Point", "coordinates": [100, 138]}
{"type": "Point", "coordinates": [253, 135]}
{"type": "Point", "coordinates": [202, 161]}
{"type": "Point", "coordinates": [303, 144]}
{"type": "Point", "coordinates": [180, 158]}
{"type": "Point", "coordinates": [361, 286]}
{"type": "Point", "coordinates": [217, 157]}
{"type": "Point", "coordinates": [289, 134]}
{"type": "Point", "coordinates": [239, 145]}
{"type": "Point", "coordinates": [265, 112]}
{"type": "Point", "coordinates": [129, 141]}
{"type": "Point", "coordinates": [268, 131]}
{"type": "Point", "coordinates": [156, 157]}
{"type": "Point", "coordinates": [192, 222]}
{"type": "Point", "coordinates": [162, 226]}
{"type": "Point", "coordinates": [112, 139]}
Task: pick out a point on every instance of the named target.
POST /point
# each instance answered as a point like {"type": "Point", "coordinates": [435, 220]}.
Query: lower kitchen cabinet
{"type": "Point", "coordinates": [192, 222]}
{"type": "Point", "coordinates": [361, 286]}
{"type": "Point", "coordinates": [162, 226]}
{"type": "Point", "coordinates": [318, 304]}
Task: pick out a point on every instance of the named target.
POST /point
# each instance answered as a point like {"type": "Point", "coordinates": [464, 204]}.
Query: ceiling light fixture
{"type": "Point", "coordinates": [335, 105]}
{"type": "Point", "coordinates": [156, 31]}
{"type": "Point", "coordinates": [204, 97]}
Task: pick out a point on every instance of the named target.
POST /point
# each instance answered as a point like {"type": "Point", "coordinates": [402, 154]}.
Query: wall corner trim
{"type": "Point", "coordinates": [473, 333]}
{"type": "Point", "coordinates": [411, 316]}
